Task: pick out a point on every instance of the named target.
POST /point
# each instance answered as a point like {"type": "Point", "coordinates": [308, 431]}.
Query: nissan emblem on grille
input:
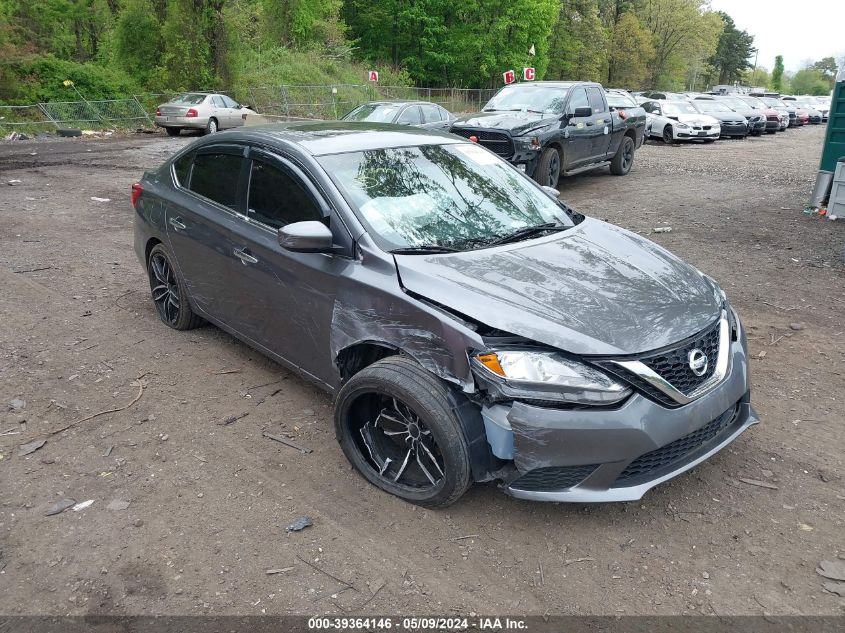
{"type": "Point", "coordinates": [698, 362]}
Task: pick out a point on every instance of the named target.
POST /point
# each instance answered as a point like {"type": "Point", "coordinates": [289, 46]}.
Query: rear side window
{"type": "Point", "coordinates": [215, 176]}
{"type": "Point", "coordinates": [411, 116]}
{"type": "Point", "coordinates": [218, 102]}
{"type": "Point", "coordinates": [182, 169]}
{"type": "Point", "coordinates": [431, 113]}
{"type": "Point", "coordinates": [596, 101]}
{"type": "Point", "coordinates": [276, 198]}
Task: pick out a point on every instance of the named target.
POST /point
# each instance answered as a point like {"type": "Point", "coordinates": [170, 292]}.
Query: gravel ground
{"type": "Point", "coordinates": [189, 514]}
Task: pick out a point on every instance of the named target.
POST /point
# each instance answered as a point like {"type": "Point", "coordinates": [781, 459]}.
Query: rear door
{"type": "Point", "coordinates": [233, 112]}
{"type": "Point", "coordinates": [200, 225]}
{"type": "Point", "coordinates": [220, 112]}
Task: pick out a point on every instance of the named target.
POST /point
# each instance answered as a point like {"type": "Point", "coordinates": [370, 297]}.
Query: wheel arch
{"type": "Point", "coordinates": [148, 248]}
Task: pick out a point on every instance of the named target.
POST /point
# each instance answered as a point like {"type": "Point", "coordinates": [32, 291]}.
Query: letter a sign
{"type": "Point", "coordinates": [510, 76]}
{"type": "Point", "coordinates": [372, 75]}
{"type": "Point", "coordinates": [528, 74]}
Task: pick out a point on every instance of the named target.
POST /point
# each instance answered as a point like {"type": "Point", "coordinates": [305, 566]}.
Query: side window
{"type": "Point", "coordinates": [182, 169]}
{"type": "Point", "coordinates": [276, 198]}
{"type": "Point", "coordinates": [215, 176]}
{"type": "Point", "coordinates": [444, 114]}
{"type": "Point", "coordinates": [578, 99]}
{"type": "Point", "coordinates": [431, 113]}
{"type": "Point", "coordinates": [411, 116]}
{"type": "Point", "coordinates": [229, 103]}
{"type": "Point", "coordinates": [217, 102]}
{"type": "Point", "coordinates": [596, 100]}
{"type": "Point", "coordinates": [646, 106]}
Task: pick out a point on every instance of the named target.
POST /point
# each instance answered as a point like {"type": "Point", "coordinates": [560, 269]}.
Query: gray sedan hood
{"type": "Point", "coordinates": [593, 289]}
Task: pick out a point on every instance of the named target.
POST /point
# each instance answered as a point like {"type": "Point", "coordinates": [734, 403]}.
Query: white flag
{"type": "Point", "coordinates": [531, 50]}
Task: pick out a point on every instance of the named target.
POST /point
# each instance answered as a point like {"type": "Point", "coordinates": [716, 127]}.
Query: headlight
{"type": "Point", "coordinates": [683, 126]}
{"type": "Point", "coordinates": [548, 376]}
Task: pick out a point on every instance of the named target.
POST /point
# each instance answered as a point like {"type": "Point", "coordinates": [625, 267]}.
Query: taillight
{"type": "Point", "coordinates": [158, 111]}
{"type": "Point", "coordinates": [191, 113]}
{"type": "Point", "coordinates": [137, 190]}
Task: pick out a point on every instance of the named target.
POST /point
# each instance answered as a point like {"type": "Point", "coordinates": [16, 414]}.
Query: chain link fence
{"type": "Point", "coordinates": [292, 101]}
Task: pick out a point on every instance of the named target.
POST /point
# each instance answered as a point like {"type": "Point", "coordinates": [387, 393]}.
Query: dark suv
{"type": "Point", "coordinates": [554, 128]}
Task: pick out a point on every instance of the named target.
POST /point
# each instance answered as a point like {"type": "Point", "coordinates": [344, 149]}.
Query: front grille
{"type": "Point", "coordinates": [553, 478]}
{"type": "Point", "coordinates": [706, 127]}
{"type": "Point", "coordinates": [497, 142]}
{"type": "Point", "coordinates": [673, 365]}
{"type": "Point", "coordinates": [648, 466]}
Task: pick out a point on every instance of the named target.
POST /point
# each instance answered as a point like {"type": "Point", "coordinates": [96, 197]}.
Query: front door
{"type": "Point", "coordinates": [579, 131]}
{"type": "Point", "coordinates": [287, 298]}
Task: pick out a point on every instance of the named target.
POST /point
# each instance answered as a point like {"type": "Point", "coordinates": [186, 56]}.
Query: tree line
{"type": "Point", "coordinates": [114, 47]}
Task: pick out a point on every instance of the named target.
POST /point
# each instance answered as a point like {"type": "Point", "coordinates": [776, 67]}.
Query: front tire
{"type": "Point", "coordinates": [668, 135]}
{"type": "Point", "coordinates": [168, 292]}
{"type": "Point", "coordinates": [547, 172]}
{"type": "Point", "coordinates": [397, 425]}
{"type": "Point", "coordinates": [624, 158]}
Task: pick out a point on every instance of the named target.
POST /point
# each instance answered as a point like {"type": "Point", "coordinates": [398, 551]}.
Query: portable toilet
{"type": "Point", "coordinates": [834, 144]}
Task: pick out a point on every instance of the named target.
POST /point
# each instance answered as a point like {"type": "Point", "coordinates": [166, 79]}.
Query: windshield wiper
{"type": "Point", "coordinates": [527, 232]}
{"type": "Point", "coordinates": [423, 249]}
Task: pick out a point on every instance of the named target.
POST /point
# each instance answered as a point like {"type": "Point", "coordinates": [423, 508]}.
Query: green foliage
{"type": "Point", "coordinates": [777, 74]}
{"type": "Point", "coordinates": [810, 81]}
{"type": "Point", "coordinates": [732, 51]}
{"type": "Point", "coordinates": [138, 40]}
{"type": "Point", "coordinates": [42, 80]}
{"type": "Point", "coordinates": [827, 67]}
{"type": "Point", "coordinates": [578, 42]}
{"type": "Point", "coordinates": [446, 43]}
{"type": "Point", "coordinates": [684, 34]}
{"type": "Point", "coordinates": [630, 52]}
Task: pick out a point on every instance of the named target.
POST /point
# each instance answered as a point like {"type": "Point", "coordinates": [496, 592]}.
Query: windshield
{"type": "Point", "coordinates": [189, 98]}
{"type": "Point", "coordinates": [373, 112]}
{"type": "Point", "coordinates": [754, 103]}
{"type": "Point", "coordinates": [541, 99]}
{"type": "Point", "coordinates": [454, 196]}
{"type": "Point", "coordinates": [711, 106]}
{"type": "Point", "coordinates": [678, 107]}
{"type": "Point", "coordinates": [616, 100]}
{"type": "Point", "coordinates": [735, 102]}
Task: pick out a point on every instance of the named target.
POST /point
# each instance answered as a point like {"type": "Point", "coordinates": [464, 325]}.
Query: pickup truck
{"type": "Point", "coordinates": [551, 129]}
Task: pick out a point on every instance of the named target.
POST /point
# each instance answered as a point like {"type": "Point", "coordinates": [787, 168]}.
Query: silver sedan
{"type": "Point", "coordinates": [200, 111]}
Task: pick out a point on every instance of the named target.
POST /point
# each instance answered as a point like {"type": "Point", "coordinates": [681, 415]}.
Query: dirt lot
{"type": "Point", "coordinates": [208, 503]}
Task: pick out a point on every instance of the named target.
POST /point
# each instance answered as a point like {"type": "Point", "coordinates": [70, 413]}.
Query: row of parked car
{"type": "Point", "coordinates": [689, 116]}
{"type": "Point", "coordinates": [551, 129]}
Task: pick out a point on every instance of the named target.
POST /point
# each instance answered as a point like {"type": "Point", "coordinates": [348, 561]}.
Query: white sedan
{"type": "Point", "coordinates": [679, 121]}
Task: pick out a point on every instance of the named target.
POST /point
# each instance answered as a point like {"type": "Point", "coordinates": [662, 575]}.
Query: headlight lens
{"type": "Point", "coordinates": [683, 126]}
{"type": "Point", "coordinates": [547, 375]}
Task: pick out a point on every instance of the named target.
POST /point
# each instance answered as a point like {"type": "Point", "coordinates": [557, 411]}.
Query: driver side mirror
{"type": "Point", "coordinates": [309, 236]}
{"type": "Point", "coordinates": [583, 111]}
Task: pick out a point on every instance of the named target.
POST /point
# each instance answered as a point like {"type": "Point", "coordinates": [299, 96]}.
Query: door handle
{"type": "Point", "coordinates": [244, 256]}
{"type": "Point", "coordinates": [176, 223]}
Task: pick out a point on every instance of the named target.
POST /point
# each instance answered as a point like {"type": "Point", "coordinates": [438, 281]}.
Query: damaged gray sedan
{"type": "Point", "coordinates": [469, 325]}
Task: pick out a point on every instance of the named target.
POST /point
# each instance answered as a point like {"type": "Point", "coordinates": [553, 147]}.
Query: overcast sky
{"type": "Point", "coordinates": [798, 30]}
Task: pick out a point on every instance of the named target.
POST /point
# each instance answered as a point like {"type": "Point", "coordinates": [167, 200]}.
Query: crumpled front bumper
{"type": "Point", "coordinates": [619, 454]}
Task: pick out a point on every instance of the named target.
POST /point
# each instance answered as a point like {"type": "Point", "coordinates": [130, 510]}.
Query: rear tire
{"type": "Point", "coordinates": [173, 131]}
{"type": "Point", "coordinates": [547, 172]}
{"type": "Point", "coordinates": [168, 292]}
{"type": "Point", "coordinates": [212, 126]}
{"type": "Point", "coordinates": [371, 412]}
{"type": "Point", "coordinates": [624, 158]}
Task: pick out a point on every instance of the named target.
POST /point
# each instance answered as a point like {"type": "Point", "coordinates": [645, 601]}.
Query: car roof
{"type": "Point", "coordinates": [552, 84]}
{"type": "Point", "coordinates": [335, 137]}
{"type": "Point", "coordinates": [399, 102]}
